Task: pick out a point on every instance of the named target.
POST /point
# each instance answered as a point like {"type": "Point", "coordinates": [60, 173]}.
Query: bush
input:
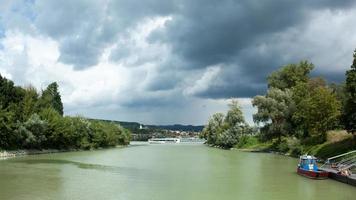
{"type": "Point", "coordinates": [108, 134]}
{"type": "Point", "coordinates": [246, 141]}
{"type": "Point", "coordinates": [283, 146]}
{"type": "Point", "coordinates": [33, 132]}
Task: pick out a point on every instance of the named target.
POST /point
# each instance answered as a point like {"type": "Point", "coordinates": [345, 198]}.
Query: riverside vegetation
{"type": "Point", "coordinates": [298, 114]}
{"type": "Point", "coordinates": [29, 120]}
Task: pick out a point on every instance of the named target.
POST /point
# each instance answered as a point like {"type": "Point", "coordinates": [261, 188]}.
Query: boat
{"type": "Point", "coordinates": [307, 167]}
{"type": "Point", "coordinates": [163, 140]}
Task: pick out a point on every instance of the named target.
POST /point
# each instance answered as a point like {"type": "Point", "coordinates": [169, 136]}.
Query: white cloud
{"type": "Point", "coordinates": [204, 82]}
{"type": "Point", "coordinates": [34, 60]}
{"type": "Point", "coordinates": [327, 39]}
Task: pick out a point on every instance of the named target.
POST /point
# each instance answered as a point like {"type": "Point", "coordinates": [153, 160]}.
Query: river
{"type": "Point", "coordinates": [162, 172]}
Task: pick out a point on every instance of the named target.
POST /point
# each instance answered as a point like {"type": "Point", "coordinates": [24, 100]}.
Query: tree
{"type": "Point", "coordinates": [33, 132]}
{"type": "Point", "coordinates": [81, 128]}
{"type": "Point", "coordinates": [8, 140]}
{"type": "Point", "coordinates": [275, 111]}
{"type": "Point", "coordinates": [288, 76]}
{"type": "Point", "coordinates": [234, 116]}
{"type": "Point", "coordinates": [339, 90]}
{"type": "Point", "coordinates": [350, 105]}
{"type": "Point", "coordinates": [29, 102]}
{"type": "Point", "coordinates": [54, 133]}
{"type": "Point", "coordinates": [225, 131]}
{"type": "Point", "coordinates": [213, 128]}
{"type": "Point", "coordinates": [318, 112]}
{"type": "Point", "coordinates": [9, 93]}
{"type": "Point", "coordinates": [51, 98]}
{"type": "Point", "coordinates": [105, 134]}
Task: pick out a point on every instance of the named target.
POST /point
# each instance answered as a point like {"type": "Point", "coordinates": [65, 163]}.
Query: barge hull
{"type": "Point", "coordinates": [343, 179]}
{"type": "Point", "coordinates": [313, 174]}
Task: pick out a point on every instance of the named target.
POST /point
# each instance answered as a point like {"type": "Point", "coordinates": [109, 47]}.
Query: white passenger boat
{"type": "Point", "coordinates": [163, 140]}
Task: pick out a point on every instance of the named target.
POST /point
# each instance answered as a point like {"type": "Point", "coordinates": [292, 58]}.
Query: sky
{"type": "Point", "coordinates": [169, 61]}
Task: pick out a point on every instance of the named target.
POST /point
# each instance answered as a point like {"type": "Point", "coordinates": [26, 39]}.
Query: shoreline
{"type": "Point", "coordinates": [268, 151]}
{"type": "Point", "coordinates": [6, 154]}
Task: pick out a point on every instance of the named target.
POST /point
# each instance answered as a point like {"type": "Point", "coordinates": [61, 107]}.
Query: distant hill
{"type": "Point", "coordinates": [176, 127]}
{"type": "Point", "coordinates": [179, 127]}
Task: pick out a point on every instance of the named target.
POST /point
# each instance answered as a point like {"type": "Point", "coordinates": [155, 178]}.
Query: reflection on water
{"type": "Point", "coordinates": [80, 165]}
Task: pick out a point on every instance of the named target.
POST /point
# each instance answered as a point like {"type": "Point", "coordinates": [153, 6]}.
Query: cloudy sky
{"type": "Point", "coordinates": [169, 61]}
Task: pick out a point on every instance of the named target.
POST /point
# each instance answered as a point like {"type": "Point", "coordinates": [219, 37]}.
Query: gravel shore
{"type": "Point", "coordinates": [15, 153]}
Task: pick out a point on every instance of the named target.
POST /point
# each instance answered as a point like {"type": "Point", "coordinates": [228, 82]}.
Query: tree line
{"type": "Point", "coordinates": [295, 105]}
{"type": "Point", "coordinates": [33, 120]}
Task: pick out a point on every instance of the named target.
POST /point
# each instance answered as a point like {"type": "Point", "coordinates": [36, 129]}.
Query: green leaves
{"type": "Point", "coordinates": [318, 112]}
{"type": "Point", "coordinates": [51, 98]}
{"type": "Point", "coordinates": [33, 122]}
{"type": "Point", "coordinates": [106, 134]}
{"type": "Point", "coordinates": [224, 131]}
{"type": "Point", "coordinates": [290, 75]}
{"type": "Point", "coordinates": [296, 104]}
{"type": "Point", "coordinates": [275, 111]}
{"type": "Point", "coordinates": [350, 106]}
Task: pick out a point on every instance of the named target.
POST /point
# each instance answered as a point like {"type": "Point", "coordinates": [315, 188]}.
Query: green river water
{"type": "Point", "coordinates": [162, 172]}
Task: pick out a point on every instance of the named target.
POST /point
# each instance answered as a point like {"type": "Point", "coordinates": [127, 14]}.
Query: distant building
{"type": "Point", "coordinates": [143, 127]}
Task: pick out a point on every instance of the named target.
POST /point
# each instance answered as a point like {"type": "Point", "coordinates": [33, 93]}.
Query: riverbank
{"type": "Point", "coordinates": [15, 153]}
{"type": "Point", "coordinates": [337, 142]}
{"type": "Point", "coordinates": [25, 152]}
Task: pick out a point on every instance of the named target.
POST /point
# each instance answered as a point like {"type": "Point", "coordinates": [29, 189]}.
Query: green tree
{"type": "Point", "coordinates": [225, 131]}
{"type": "Point", "coordinates": [51, 98]}
{"type": "Point", "coordinates": [213, 128]}
{"type": "Point", "coordinates": [234, 115]}
{"type": "Point", "coordinates": [288, 76]}
{"type": "Point", "coordinates": [9, 93]}
{"type": "Point", "coordinates": [275, 111]}
{"type": "Point", "coordinates": [105, 134]}
{"type": "Point", "coordinates": [339, 90]}
{"type": "Point", "coordinates": [318, 112]}
{"type": "Point", "coordinates": [81, 128]}
{"type": "Point", "coordinates": [54, 133]}
{"type": "Point", "coordinates": [8, 140]}
{"type": "Point", "coordinates": [29, 102]}
{"type": "Point", "coordinates": [350, 105]}
{"type": "Point", "coordinates": [33, 132]}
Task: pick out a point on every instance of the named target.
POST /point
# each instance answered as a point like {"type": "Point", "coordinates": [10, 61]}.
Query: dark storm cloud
{"type": "Point", "coordinates": [85, 28]}
{"type": "Point", "coordinates": [240, 35]}
{"type": "Point", "coordinates": [205, 34]}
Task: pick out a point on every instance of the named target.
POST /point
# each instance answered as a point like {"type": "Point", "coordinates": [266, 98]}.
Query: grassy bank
{"type": "Point", "coordinates": [337, 142]}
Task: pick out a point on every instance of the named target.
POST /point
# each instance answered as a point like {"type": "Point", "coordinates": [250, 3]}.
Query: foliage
{"type": "Point", "coordinates": [247, 141]}
{"type": "Point", "coordinates": [8, 140]}
{"type": "Point", "coordinates": [28, 103]}
{"type": "Point", "coordinates": [350, 105]}
{"type": "Point", "coordinates": [275, 111]}
{"type": "Point", "coordinates": [31, 121]}
{"type": "Point", "coordinates": [107, 134]}
{"type": "Point", "coordinates": [288, 76]}
{"type": "Point", "coordinates": [33, 132]}
{"type": "Point", "coordinates": [213, 128]}
{"type": "Point", "coordinates": [224, 131]}
{"type": "Point", "coordinates": [318, 112]}
{"type": "Point", "coordinates": [51, 98]}
{"type": "Point", "coordinates": [9, 94]}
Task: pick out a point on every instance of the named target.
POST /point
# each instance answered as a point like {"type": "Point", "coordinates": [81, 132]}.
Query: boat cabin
{"type": "Point", "coordinates": [308, 163]}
